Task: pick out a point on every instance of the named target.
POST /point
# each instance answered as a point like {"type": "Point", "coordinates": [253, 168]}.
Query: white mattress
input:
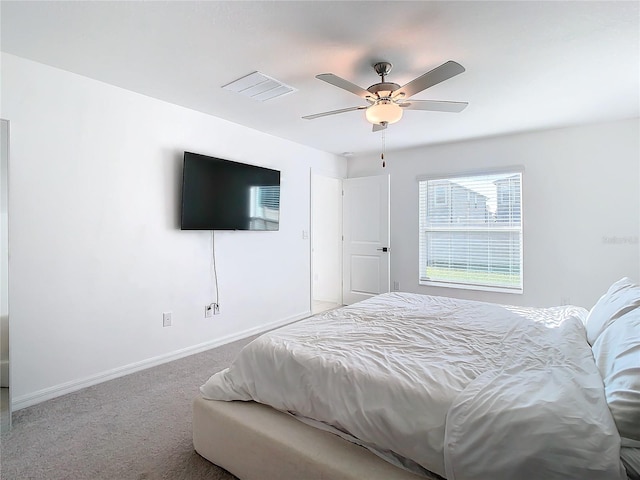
{"type": "Point", "coordinates": [463, 389]}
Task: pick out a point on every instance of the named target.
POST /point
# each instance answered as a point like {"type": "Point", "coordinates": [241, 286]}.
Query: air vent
{"type": "Point", "coordinates": [259, 86]}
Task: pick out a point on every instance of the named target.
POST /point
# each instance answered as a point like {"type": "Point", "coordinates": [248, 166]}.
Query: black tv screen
{"type": "Point", "coordinates": [220, 194]}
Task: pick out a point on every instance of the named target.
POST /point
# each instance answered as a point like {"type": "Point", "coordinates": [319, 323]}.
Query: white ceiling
{"type": "Point", "coordinates": [530, 65]}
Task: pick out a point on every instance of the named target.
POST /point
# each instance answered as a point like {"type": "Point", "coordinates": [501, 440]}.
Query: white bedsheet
{"type": "Point", "coordinates": [468, 390]}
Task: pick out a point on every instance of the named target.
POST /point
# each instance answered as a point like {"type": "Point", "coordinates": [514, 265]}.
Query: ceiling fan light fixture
{"type": "Point", "coordinates": [384, 112]}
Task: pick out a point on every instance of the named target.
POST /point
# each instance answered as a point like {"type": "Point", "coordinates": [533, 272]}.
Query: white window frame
{"type": "Point", "coordinates": [423, 200]}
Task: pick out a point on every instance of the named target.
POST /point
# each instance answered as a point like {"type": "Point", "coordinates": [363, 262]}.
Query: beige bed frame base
{"type": "Point", "coordinates": [256, 442]}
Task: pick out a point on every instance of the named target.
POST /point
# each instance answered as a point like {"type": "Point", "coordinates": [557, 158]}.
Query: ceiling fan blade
{"type": "Point", "coordinates": [434, 105]}
{"type": "Point", "coordinates": [433, 77]}
{"type": "Point", "coordinates": [377, 127]}
{"type": "Point", "coordinates": [344, 84]}
{"type": "Point", "coordinates": [333, 112]}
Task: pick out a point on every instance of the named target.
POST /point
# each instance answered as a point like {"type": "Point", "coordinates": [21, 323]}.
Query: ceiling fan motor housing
{"type": "Point", "coordinates": [383, 87]}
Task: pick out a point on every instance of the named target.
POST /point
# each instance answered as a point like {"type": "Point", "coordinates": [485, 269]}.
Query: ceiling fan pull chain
{"type": "Point", "coordinates": [383, 148]}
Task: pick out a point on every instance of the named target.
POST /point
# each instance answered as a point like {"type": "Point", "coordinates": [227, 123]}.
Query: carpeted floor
{"type": "Point", "coordinates": [136, 427]}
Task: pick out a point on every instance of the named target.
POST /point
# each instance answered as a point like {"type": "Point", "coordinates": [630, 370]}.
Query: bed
{"type": "Point", "coordinates": [405, 386]}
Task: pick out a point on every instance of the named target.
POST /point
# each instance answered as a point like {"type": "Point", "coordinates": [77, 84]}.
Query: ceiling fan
{"type": "Point", "coordinates": [388, 100]}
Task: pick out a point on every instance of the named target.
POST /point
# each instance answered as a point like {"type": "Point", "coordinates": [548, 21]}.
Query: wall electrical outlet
{"type": "Point", "coordinates": [396, 285]}
{"type": "Point", "coordinates": [211, 310]}
{"type": "Point", "coordinates": [166, 319]}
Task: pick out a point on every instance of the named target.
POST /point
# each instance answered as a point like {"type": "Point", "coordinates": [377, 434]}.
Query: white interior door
{"type": "Point", "coordinates": [366, 238]}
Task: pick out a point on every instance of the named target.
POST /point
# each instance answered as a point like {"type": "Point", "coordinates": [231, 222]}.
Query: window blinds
{"type": "Point", "coordinates": [471, 231]}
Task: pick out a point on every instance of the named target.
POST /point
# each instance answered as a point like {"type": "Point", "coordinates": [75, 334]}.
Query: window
{"type": "Point", "coordinates": [474, 240]}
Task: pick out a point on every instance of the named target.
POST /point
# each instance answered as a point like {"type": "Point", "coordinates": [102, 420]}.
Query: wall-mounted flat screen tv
{"type": "Point", "coordinates": [219, 194]}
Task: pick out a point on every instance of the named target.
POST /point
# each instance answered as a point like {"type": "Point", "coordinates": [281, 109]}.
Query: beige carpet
{"type": "Point", "coordinates": [136, 427]}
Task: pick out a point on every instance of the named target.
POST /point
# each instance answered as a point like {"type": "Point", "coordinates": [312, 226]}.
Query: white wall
{"type": "Point", "coordinates": [581, 189]}
{"type": "Point", "coordinates": [96, 250]}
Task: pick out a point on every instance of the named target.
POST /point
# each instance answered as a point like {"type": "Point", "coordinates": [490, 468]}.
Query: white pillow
{"type": "Point", "coordinates": [622, 297]}
{"type": "Point", "coordinates": [617, 355]}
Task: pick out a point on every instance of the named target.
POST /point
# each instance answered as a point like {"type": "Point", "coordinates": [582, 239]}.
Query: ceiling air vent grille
{"type": "Point", "coordinates": [259, 86]}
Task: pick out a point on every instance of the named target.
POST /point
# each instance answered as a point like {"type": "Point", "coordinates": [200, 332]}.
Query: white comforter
{"type": "Point", "coordinates": [468, 390]}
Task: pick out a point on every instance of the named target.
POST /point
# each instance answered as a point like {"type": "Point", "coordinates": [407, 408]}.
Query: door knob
{"type": "Point", "coordinates": [383, 249]}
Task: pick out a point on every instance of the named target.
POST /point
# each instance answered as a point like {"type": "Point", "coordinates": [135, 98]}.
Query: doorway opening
{"type": "Point", "coordinates": [326, 243]}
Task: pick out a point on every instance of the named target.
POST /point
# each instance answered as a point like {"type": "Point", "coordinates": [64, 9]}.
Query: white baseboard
{"type": "Point", "coordinates": [30, 399]}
